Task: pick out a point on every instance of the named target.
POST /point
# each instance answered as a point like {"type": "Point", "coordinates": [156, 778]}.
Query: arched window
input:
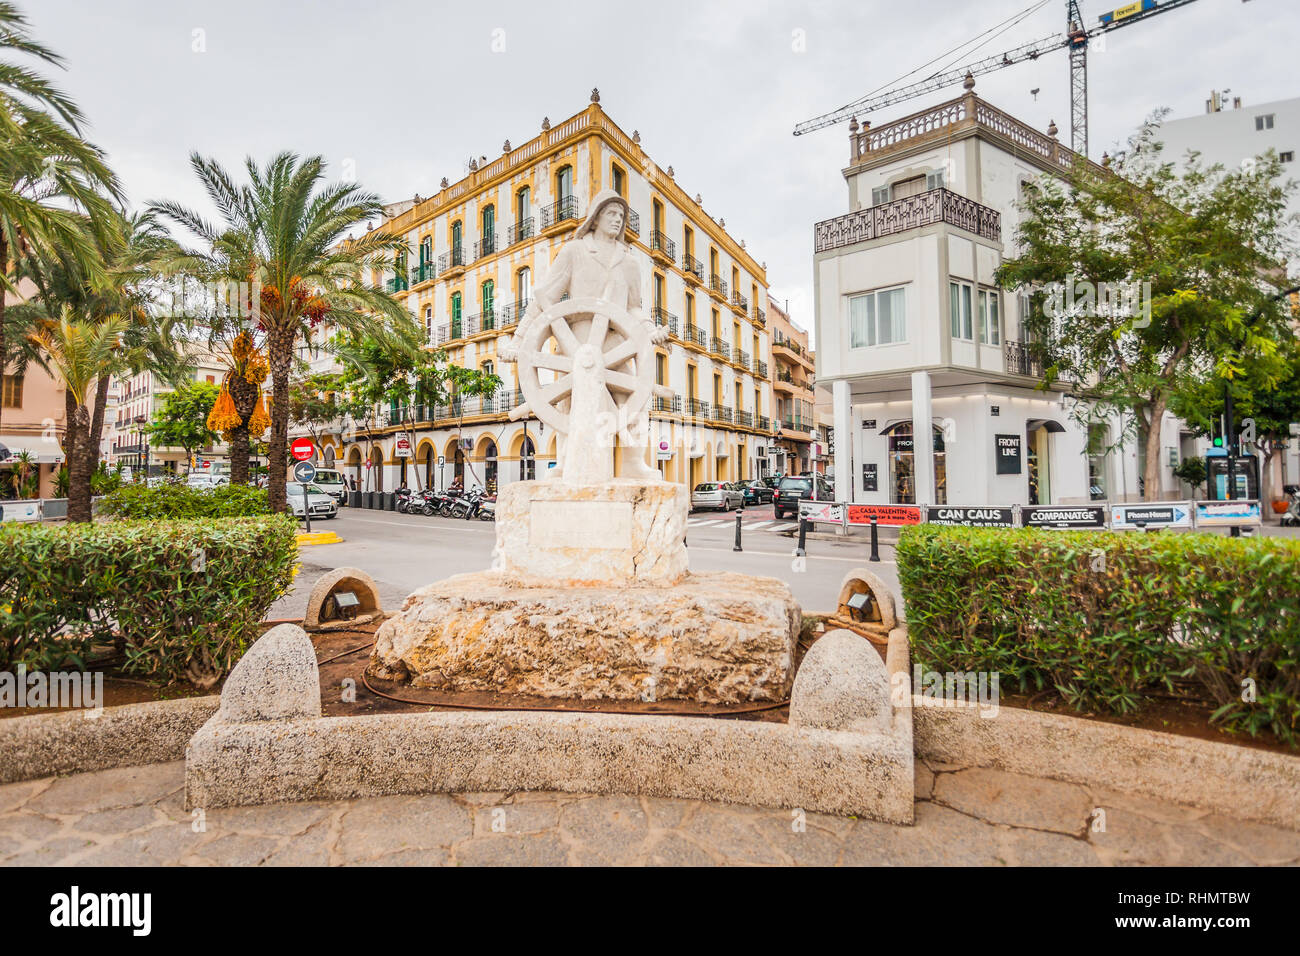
{"type": "Point", "coordinates": [490, 468]}
{"type": "Point", "coordinates": [523, 213]}
{"type": "Point", "coordinates": [488, 243]}
{"type": "Point", "coordinates": [523, 290]}
{"type": "Point", "coordinates": [457, 234]}
{"type": "Point", "coordinates": [527, 461]}
{"type": "Point", "coordinates": [564, 183]}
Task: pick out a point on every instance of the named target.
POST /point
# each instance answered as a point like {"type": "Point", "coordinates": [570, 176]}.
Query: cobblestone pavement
{"type": "Point", "coordinates": [963, 816]}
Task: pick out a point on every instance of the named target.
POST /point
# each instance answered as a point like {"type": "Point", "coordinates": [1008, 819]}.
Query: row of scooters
{"type": "Point", "coordinates": [448, 504]}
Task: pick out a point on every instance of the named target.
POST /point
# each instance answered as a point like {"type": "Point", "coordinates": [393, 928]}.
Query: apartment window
{"type": "Point", "coordinates": [488, 367]}
{"type": "Point", "coordinates": [959, 311]}
{"type": "Point", "coordinates": [879, 195]}
{"type": "Point", "coordinates": [455, 306]}
{"type": "Point", "coordinates": [661, 369]}
{"type": "Point", "coordinates": [934, 180]}
{"type": "Point", "coordinates": [619, 179]}
{"type": "Point", "coordinates": [688, 240]}
{"type": "Point", "coordinates": [990, 318]}
{"type": "Point", "coordinates": [1263, 122]}
{"type": "Point", "coordinates": [488, 294]}
{"type": "Point", "coordinates": [489, 229]}
{"type": "Point", "coordinates": [690, 309]}
{"type": "Point", "coordinates": [523, 289]}
{"type": "Point", "coordinates": [426, 250]}
{"type": "Point", "coordinates": [564, 183]}
{"type": "Point", "coordinates": [1287, 157]}
{"type": "Point", "coordinates": [877, 318]}
{"type": "Point", "coordinates": [523, 213]}
{"type": "Point", "coordinates": [456, 232]}
{"type": "Point", "coordinates": [657, 214]}
{"type": "Point", "coordinates": [428, 321]}
{"type": "Point", "coordinates": [11, 392]}
{"type": "Point", "coordinates": [659, 291]}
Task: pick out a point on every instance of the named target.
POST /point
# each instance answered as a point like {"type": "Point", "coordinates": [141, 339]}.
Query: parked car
{"type": "Point", "coordinates": [785, 498]}
{"type": "Point", "coordinates": [756, 492]}
{"type": "Point", "coordinates": [200, 480]}
{"type": "Point", "coordinates": [717, 494]}
{"type": "Point", "coordinates": [321, 504]}
{"type": "Point", "coordinates": [331, 482]}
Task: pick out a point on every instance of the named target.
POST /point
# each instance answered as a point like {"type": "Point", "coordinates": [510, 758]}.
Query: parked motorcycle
{"type": "Point", "coordinates": [1291, 519]}
{"type": "Point", "coordinates": [404, 499]}
{"type": "Point", "coordinates": [482, 506]}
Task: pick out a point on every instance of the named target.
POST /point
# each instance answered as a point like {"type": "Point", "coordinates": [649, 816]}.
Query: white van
{"type": "Point", "coordinates": [331, 482]}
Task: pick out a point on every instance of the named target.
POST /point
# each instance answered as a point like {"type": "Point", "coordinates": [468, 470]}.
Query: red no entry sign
{"type": "Point", "coordinates": [302, 449]}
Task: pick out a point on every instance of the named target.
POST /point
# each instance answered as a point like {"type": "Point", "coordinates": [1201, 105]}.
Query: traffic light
{"type": "Point", "coordinates": [1218, 441]}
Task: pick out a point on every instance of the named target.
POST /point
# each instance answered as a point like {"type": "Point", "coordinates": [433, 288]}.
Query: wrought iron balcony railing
{"type": "Point", "coordinates": [486, 246]}
{"type": "Point", "coordinates": [781, 341]}
{"type": "Point", "coordinates": [559, 211]}
{"type": "Point", "coordinates": [453, 259]}
{"type": "Point", "coordinates": [693, 268]}
{"type": "Point", "coordinates": [397, 283]}
{"type": "Point", "coordinates": [424, 272]}
{"type": "Point", "coordinates": [718, 347]}
{"type": "Point", "coordinates": [661, 245]}
{"type": "Point", "coordinates": [721, 413]}
{"type": "Point", "coordinates": [697, 408]}
{"type": "Point", "coordinates": [764, 423]}
{"type": "Point", "coordinates": [744, 419]}
{"type": "Point", "coordinates": [760, 317]}
{"type": "Point", "coordinates": [509, 315]}
{"type": "Point", "coordinates": [695, 335]}
{"type": "Point", "coordinates": [1021, 359]}
{"type": "Point", "coordinates": [741, 357]}
{"type": "Point", "coordinates": [739, 302]}
{"type": "Point", "coordinates": [760, 368]}
{"type": "Point", "coordinates": [633, 222]}
{"type": "Point", "coordinates": [717, 284]}
{"type": "Point", "coordinates": [667, 406]}
{"type": "Point", "coordinates": [663, 317]}
{"type": "Point", "coordinates": [520, 231]}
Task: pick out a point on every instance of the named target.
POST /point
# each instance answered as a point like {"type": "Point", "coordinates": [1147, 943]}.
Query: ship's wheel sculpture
{"type": "Point", "coordinates": [602, 382]}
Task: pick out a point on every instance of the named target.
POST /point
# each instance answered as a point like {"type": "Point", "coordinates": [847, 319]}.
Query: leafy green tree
{"type": "Point", "coordinates": [288, 232]}
{"type": "Point", "coordinates": [1207, 241]}
{"type": "Point", "coordinates": [1192, 471]}
{"type": "Point", "coordinates": [181, 421]}
{"type": "Point", "coordinates": [1264, 407]}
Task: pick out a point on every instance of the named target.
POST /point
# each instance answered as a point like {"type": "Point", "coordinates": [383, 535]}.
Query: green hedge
{"type": "Point", "coordinates": [178, 500]}
{"type": "Point", "coordinates": [182, 598]}
{"type": "Point", "coordinates": [1106, 618]}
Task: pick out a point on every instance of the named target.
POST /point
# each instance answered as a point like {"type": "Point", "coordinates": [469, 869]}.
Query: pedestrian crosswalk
{"type": "Point", "coordinates": [776, 527]}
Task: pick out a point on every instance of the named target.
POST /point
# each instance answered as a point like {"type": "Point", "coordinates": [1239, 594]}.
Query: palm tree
{"type": "Point", "coordinates": [80, 353]}
{"type": "Point", "coordinates": [286, 232]}
{"type": "Point", "coordinates": [126, 257]}
{"type": "Point", "coordinates": [53, 184]}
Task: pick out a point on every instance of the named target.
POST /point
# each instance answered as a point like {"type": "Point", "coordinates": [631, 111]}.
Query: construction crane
{"type": "Point", "coordinates": [1075, 39]}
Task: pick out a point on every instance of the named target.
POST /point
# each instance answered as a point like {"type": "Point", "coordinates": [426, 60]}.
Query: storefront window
{"type": "Point", "coordinates": [902, 467]}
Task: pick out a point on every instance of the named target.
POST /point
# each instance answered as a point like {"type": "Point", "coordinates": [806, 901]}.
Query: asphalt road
{"type": "Point", "coordinates": [404, 552]}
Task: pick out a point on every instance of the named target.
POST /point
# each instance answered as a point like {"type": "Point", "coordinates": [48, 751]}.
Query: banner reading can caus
{"type": "Point", "coordinates": [884, 514]}
{"type": "Point", "coordinates": [971, 517]}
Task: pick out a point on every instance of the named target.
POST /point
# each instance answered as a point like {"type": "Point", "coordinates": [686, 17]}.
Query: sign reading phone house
{"type": "Point", "coordinates": [971, 517]}
{"type": "Point", "coordinates": [1065, 516]}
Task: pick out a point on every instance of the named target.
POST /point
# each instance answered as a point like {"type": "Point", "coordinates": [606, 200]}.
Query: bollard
{"type": "Point", "coordinates": [738, 547]}
{"type": "Point", "coordinates": [803, 532]}
{"type": "Point", "coordinates": [875, 541]}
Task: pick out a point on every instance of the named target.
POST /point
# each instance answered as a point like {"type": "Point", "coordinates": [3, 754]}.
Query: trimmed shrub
{"type": "Point", "coordinates": [1106, 618]}
{"type": "Point", "coordinates": [178, 500]}
{"type": "Point", "coordinates": [183, 598]}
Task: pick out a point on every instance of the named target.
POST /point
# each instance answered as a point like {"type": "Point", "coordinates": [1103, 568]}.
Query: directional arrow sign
{"type": "Point", "coordinates": [304, 472]}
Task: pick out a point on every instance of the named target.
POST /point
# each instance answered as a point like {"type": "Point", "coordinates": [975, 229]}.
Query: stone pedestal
{"type": "Point", "coordinates": [619, 532]}
{"type": "Point", "coordinates": [715, 637]}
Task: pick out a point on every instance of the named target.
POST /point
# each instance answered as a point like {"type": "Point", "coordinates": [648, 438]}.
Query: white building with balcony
{"type": "Point", "coordinates": [914, 337]}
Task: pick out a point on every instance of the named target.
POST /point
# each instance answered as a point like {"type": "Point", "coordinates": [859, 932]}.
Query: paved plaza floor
{"type": "Point", "coordinates": [135, 816]}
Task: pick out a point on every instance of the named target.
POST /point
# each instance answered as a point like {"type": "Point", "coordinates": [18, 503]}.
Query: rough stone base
{"type": "Point", "coordinates": [715, 637]}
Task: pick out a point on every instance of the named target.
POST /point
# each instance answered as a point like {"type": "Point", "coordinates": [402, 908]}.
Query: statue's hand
{"type": "Point", "coordinates": [659, 334]}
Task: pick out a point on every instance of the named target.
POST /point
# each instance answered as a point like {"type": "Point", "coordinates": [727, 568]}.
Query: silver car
{"type": "Point", "coordinates": [717, 494]}
{"type": "Point", "coordinates": [322, 505]}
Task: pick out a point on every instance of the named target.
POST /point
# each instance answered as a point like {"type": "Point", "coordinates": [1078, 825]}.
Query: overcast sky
{"type": "Point", "coordinates": [409, 91]}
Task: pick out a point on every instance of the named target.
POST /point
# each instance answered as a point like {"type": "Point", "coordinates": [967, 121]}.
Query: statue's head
{"type": "Point", "coordinates": [606, 217]}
